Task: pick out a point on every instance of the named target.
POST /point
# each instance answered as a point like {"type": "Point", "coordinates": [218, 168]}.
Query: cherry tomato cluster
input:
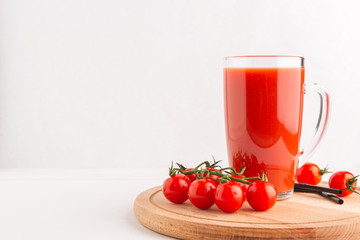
{"type": "Point", "coordinates": [224, 187]}
{"type": "Point", "coordinates": [310, 173]}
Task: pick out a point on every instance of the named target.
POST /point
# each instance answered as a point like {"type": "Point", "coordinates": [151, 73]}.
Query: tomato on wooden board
{"type": "Point", "coordinates": [192, 176]}
{"type": "Point", "coordinates": [261, 195]}
{"type": "Point", "coordinates": [344, 181]}
{"type": "Point", "coordinates": [310, 173]}
{"type": "Point", "coordinates": [244, 186]}
{"type": "Point", "coordinates": [176, 188]}
{"type": "Point", "coordinates": [214, 177]}
{"type": "Point", "coordinates": [229, 196]}
{"type": "Point", "coordinates": [201, 193]}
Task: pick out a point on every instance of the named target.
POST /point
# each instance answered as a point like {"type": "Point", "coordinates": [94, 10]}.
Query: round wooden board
{"type": "Point", "coordinates": [303, 216]}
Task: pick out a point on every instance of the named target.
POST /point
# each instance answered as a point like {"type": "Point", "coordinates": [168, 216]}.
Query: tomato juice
{"type": "Point", "coordinates": [263, 116]}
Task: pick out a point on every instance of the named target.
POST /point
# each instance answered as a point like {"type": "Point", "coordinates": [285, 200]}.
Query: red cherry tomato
{"type": "Point", "coordinates": [201, 193]}
{"type": "Point", "coordinates": [192, 176]}
{"type": "Point", "coordinates": [228, 197]}
{"type": "Point", "coordinates": [214, 176]}
{"type": "Point", "coordinates": [344, 181]}
{"type": "Point", "coordinates": [238, 176]}
{"type": "Point", "coordinates": [176, 188]}
{"type": "Point", "coordinates": [261, 195]}
{"type": "Point", "coordinates": [244, 186]}
{"type": "Point", "coordinates": [309, 173]}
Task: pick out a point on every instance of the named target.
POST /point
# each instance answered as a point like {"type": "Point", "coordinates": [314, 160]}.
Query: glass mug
{"type": "Point", "coordinates": [263, 98]}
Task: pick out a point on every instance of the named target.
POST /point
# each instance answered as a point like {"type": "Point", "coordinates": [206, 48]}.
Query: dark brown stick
{"type": "Point", "coordinates": [316, 188]}
{"type": "Point", "coordinates": [329, 196]}
{"type": "Point", "coordinates": [304, 190]}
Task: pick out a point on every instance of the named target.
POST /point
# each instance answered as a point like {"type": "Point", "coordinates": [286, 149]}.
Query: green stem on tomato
{"type": "Point", "coordinates": [233, 171]}
{"type": "Point", "coordinates": [207, 172]}
{"type": "Point", "coordinates": [350, 185]}
{"type": "Point", "coordinates": [200, 173]}
{"type": "Point", "coordinates": [324, 170]}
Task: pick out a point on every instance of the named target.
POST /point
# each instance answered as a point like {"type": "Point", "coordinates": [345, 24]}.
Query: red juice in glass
{"type": "Point", "coordinates": [263, 119]}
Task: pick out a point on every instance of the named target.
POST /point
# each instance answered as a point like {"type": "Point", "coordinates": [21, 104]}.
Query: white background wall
{"type": "Point", "coordinates": [139, 83]}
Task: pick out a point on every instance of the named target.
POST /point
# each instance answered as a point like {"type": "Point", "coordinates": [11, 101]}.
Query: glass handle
{"type": "Point", "coordinates": [323, 119]}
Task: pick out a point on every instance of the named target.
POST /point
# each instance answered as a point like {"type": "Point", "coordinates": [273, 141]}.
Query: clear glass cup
{"type": "Point", "coordinates": [263, 98]}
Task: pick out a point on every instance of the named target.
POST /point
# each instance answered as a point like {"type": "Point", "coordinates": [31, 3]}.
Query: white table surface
{"type": "Point", "coordinates": [74, 204]}
{"type": "Point", "coordinates": [71, 204]}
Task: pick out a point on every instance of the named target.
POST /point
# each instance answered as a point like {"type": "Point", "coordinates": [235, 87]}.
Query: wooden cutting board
{"type": "Point", "coordinates": [303, 216]}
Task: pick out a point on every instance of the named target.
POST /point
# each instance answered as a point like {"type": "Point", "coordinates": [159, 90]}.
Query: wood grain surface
{"type": "Point", "coordinates": [303, 216]}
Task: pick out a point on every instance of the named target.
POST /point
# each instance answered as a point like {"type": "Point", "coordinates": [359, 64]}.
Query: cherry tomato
{"type": "Point", "coordinates": [244, 186]}
{"type": "Point", "coordinates": [261, 195]}
{"type": "Point", "coordinates": [201, 193]}
{"type": "Point", "coordinates": [344, 181]}
{"type": "Point", "coordinates": [228, 197]}
{"type": "Point", "coordinates": [192, 176]}
{"type": "Point", "coordinates": [176, 188]}
{"type": "Point", "coordinates": [310, 173]}
{"type": "Point", "coordinates": [214, 177]}
{"type": "Point", "coordinates": [238, 176]}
